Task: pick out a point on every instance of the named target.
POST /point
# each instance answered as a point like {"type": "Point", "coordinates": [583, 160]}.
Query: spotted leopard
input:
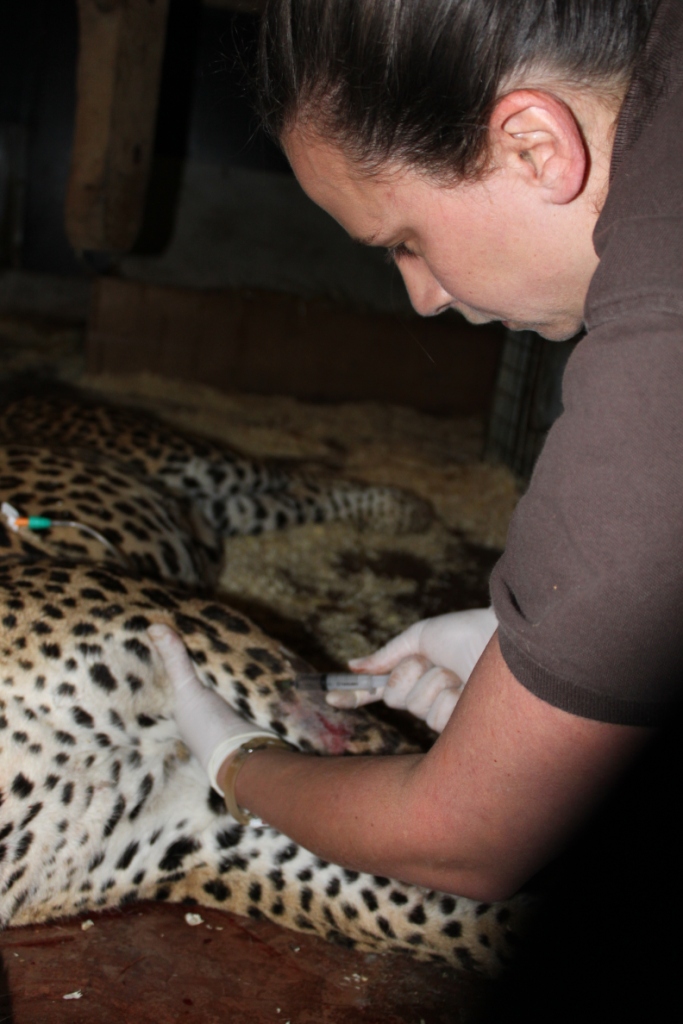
{"type": "Point", "coordinates": [100, 803]}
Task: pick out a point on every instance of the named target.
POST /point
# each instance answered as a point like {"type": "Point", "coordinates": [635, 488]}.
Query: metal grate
{"type": "Point", "coordinates": [527, 399]}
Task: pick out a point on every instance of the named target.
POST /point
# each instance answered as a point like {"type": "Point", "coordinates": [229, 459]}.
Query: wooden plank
{"type": "Point", "coordinates": [121, 45]}
{"type": "Point", "coordinates": [269, 343]}
{"type": "Point", "coordinates": [144, 965]}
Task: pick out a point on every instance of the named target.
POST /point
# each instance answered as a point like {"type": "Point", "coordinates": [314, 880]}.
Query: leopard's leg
{"type": "Point", "coordinates": [225, 493]}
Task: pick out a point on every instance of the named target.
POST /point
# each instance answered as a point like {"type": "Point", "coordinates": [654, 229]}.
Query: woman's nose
{"type": "Point", "coordinates": [426, 294]}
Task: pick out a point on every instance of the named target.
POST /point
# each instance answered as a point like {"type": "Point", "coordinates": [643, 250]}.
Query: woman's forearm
{"type": "Point", "coordinates": [501, 789]}
{"type": "Point", "coordinates": [365, 813]}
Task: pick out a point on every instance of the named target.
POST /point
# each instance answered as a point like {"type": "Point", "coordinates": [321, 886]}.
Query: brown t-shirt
{"type": "Point", "coordinates": [589, 592]}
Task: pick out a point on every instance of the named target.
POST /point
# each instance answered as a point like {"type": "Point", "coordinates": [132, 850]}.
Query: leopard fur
{"type": "Point", "coordinates": [100, 803]}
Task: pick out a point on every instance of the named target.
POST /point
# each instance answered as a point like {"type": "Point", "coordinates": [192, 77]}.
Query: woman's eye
{"type": "Point", "coordinates": [399, 252]}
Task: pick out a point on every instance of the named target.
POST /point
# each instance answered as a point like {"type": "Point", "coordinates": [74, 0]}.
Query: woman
{"type": "Point", "coordinates": [520, 160]}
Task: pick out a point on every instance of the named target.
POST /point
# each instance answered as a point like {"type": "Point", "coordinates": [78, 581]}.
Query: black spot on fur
{"type": "Point", "coordinates": [417, 915]}
{"type": "Point", "coordinates": [447, 904]}
{"type": "Point", "coordinates": [177, 851]}
{"type": "Point", "coordinates": [14, 878]}
{"type": "Point", "coordinates": [264, 657]}
{"type": "Point", "coordinates": [136, 624]}
{"type": "Point", "coordinates": [23, 846]}
{"type": "Point", "coordinates": [159, 598]}
{"type": "Point", "coordinates": [90, 650]}
{"type": "Point", "coordinates": [51, 650]}
{"type": "Point", "coordinates": [385, 927]}
{"type": "Point", "coordinates": [140, 650]}
{"type": "Point", "coordinates": [67, 793]}
{"type": "Point", "coordinates": [127, 856]}
{"type": "Point", "coordinates": [230, 837]}
{"type": "Point", "coordinates": [145, 722]}
{"type": "Point", "coordinates": [215, 801]}
{"type": "Point", "coordinates": [277, 879]}
{"type": "Point", "coordinates": [65, 737]}
{"type": "Point", "coordinates": [53, 612]}
{"type": "Point", "coordinates": [232, 622]}
{"type": "Point", "coordinates": [305, 899]}
{"type": "Point", "coordinates": [145, 788]}
{"type": "Point", "coordinates": [106, 613]}
{"type": "Point", "coordinates": [33, 810]}
{"type": "Point", "coordinates": [66, 690]}
{"type": "Point", "coordinates": [369, 899]}
{"type": "Point", "coordinates": [255, 892]}
{"type": "Point", "coordinates": [398, 898]}
{"type": "Point", "coordinates": [21, 786]}
{"type": "Point", "coordinates": [84, 629]}
{"type": "Point", "coordinates": [218, 889]}
{"type": "Point", "coordinates": [465, 958]}
{"type": "Point", "coordinates": [289, 852]}
{"type": "Point", "coordinates": [115, 817]}
{"type": "Point", "coordinates": [107, 582]}
{"type": "Point", "coordinates": [244, 708]}
{"type": "Point", "coordinates": [333, 887]}
{"type": "Point", "coordinates": [453, 929]}
{"type": "Point", "coordinates": [101, 676]}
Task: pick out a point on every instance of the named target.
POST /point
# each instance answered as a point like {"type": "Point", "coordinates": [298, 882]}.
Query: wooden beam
{"type": "Point", "coordinates": [121, 44]}
{"type": "Point", "coordinates": [270, 343]}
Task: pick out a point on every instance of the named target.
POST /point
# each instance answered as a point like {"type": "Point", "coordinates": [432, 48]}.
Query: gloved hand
{"type": "Point", "coordinates": [429, 664]}
{"type": "Point", "coordinates": [207, 724]}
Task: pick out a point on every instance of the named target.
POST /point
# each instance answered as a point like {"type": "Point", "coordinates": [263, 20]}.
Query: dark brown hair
{"type": "Point", "coordinates": [415, 81]}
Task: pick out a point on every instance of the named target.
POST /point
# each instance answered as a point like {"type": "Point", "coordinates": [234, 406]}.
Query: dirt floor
{"type": "Point", "coordinates": [331, 593]}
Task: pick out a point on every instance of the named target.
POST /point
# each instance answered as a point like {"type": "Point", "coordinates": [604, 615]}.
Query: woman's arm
{"type": "Point", "coordinates": [504, 786]}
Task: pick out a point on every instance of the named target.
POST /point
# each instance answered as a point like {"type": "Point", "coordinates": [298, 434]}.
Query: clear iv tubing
{"type": "Point", "coordinates": [38, 523]}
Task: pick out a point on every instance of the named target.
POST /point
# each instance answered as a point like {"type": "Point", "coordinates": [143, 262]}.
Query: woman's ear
{"type": "Point", "coordinates": [536, 134]}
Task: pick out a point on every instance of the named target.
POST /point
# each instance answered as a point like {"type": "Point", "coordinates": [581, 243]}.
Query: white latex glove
{"type": "Point", "coordinates": [428, 665]}
{"type": "Point", "coordinates": [207, 724]}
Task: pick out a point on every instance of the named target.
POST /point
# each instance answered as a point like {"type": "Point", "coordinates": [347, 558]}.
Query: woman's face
{"type": "Point", "coordinates": [494, 250]}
